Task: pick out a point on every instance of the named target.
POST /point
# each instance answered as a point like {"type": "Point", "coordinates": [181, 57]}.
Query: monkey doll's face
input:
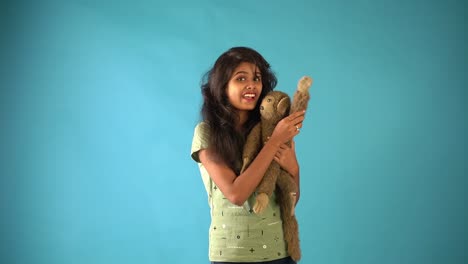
{"type": "Point", "coordinates": [244, 87]}
{"type": "Point", "coordinates": [274, 106]}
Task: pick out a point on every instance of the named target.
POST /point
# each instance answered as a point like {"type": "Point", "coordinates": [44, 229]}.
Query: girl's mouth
{"type": "Point", "coordinates": [249, 96]}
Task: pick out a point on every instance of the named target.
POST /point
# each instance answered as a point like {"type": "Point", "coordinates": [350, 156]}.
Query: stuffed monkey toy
{"type": "Point", "coordinates": [274, 107]}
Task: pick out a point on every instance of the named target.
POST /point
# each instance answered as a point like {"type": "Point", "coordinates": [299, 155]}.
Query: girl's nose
{"type": "Point", "coordinates": [251, 85]}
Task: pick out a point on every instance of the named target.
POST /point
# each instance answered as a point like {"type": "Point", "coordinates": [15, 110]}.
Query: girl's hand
{"type": "Point", "coordinates": [288, 127]}
{"type": "Point", "coordinates": [286, 158]}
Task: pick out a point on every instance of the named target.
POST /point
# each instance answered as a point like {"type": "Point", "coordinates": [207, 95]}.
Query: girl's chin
{"type": "Point", "coordinates": [249, 101]}
{"type": "Point", "coordinates": [246, 108]}
{"type": "Point", "coordinates": [249, 106]}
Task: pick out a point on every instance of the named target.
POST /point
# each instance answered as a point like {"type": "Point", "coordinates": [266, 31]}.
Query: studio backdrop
{"type": "Point", "coordinates": [99, 100]}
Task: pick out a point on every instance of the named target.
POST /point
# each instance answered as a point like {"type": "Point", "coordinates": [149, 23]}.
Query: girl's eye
{"type": "Point", "coordinates": [241, 79]}
{"type": "Point", "coordinates": [257, 79]}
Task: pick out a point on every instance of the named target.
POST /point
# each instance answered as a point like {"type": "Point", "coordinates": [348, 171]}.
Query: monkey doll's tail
{"type": "Point", "coordinates": [302, 95]}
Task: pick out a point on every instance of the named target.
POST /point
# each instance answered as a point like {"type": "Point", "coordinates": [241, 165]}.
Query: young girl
{"type": "Point", "coordinates": [232, 91]}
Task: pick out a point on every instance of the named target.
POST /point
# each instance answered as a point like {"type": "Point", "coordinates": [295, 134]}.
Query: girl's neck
{"type": "Point", "coordinates": [243, 116]}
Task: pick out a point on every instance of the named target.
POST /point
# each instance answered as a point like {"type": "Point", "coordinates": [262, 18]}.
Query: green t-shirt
{"type": "Point", "coordinates": [236, 233]}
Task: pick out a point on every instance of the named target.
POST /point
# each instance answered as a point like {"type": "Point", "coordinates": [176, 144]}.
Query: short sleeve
{"type": "Point", "coordinates": [200, 140]}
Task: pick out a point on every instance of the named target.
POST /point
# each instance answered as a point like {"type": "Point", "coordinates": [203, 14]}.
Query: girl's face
{"type": "Point", "coordinates": [244, 87]}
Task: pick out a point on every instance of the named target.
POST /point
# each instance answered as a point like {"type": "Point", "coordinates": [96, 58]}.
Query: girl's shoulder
{"type": "Point", "coordinates": [202, 130]}
{"type": "Point", "coordinates": [202, 125]}
{"type": "Point", "coordinates": [200, 139]}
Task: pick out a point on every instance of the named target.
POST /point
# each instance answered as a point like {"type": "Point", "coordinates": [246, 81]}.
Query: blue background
{"type": "Point", "coordinates": [99, 100]}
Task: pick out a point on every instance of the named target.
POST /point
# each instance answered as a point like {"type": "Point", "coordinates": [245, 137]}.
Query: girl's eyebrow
{"type": "Point", "coordinates": [244, 72]}
{"type": "Point", "coordinates": [239, 72]}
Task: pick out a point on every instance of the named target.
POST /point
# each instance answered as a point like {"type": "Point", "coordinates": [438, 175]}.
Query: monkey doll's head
{"type": "Point", "coordinates": [275, 106]}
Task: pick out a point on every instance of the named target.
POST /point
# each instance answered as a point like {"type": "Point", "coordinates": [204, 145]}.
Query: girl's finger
{"type": "Point", "coordinates": [297, 114]}
{"type": "Point", "coordinates": [298, 122]}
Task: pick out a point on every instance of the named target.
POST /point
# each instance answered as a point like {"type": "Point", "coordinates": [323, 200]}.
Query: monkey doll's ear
{"type": "Point", "coordinates": [283, 106]}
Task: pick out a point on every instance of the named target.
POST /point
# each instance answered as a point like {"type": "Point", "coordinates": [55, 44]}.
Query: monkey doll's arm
{"type": "Point", "coordinates": [266, 187]}
{"type": "Point", "coordinates": [252, 146]}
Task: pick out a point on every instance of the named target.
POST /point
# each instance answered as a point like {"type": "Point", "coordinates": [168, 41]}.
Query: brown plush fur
{"type": "Point", "coordinates": [274, 107]}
